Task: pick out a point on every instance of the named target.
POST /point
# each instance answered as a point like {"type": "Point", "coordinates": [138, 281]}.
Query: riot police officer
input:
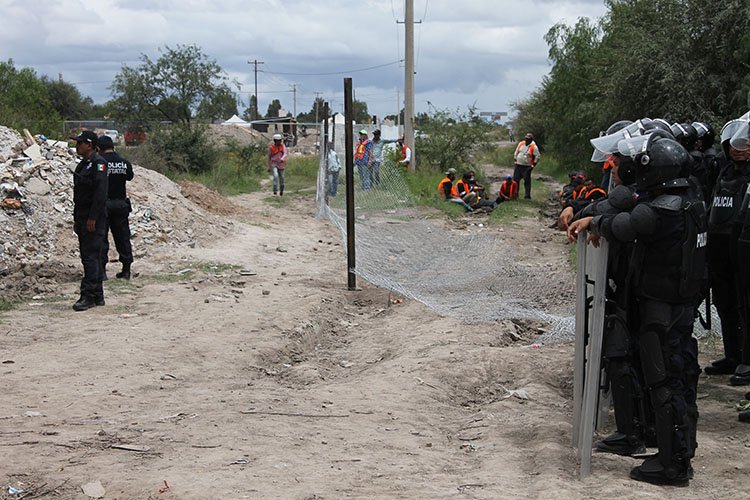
{"type": "Point", "coordinates": [668, 229]}
{"type": "Point", "coordinates": [90, 217]}
{"type": "Point", "coordinates": [728, 192]}
{"type": "Point", "coordinates": [119, 171]}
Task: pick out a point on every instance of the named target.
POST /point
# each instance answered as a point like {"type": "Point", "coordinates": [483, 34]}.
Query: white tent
{"type": "Point", "coordinates": [236, 120]}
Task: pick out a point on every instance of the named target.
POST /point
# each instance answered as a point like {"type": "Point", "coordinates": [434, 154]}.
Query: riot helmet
{"type": "Point", "coordinates": [685, 134]}
{"type": "Point", "coordinates": [741, 138]}
{"type": "Point", "coordinates": [618, 125]}
{"type": "Point", "coordinates": [658, 124]}
{"type": "Point", "coordinates": [607, 144]}
{"type": "Point", "coordinates": [728, 132]}
{"type": "Point", "coordinates": [706, 135]}
{"type": "Point", "coordinates": [601, 156]}
{"type": "Point", "coordinates": [658, 159]}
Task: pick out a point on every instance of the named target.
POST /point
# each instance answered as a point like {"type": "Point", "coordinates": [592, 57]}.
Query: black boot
{"type": "Point", "coordinates": [621, 444]}
{"type": "Point", "coordinates": [125, 273]}
{"type": "Point", "coordinates": [85, 302]}
{"type": "Point", "coordinates": [741, 375]}
{"type": "Point", "coordinates": [652, 471]}
{"type": "Point", "coordinates": [723, 366]}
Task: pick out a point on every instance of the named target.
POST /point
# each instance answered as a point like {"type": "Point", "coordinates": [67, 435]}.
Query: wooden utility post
{"type": "Point", "coordinates": [349, 148]}
{"type": "Point", "coordinates": [324, 149]}
{"type": "Point", "coordinates": [409, 79]}
{"type": "Point", "coordinates": [257, 106]}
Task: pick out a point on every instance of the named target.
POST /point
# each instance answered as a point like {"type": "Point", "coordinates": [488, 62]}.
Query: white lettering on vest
{"type": "Point", "coordinates": [723, 202]}
{"type": "Point", "coordinates": [702, 240]}
{"type": "Point", "coordinates": [120, 168]}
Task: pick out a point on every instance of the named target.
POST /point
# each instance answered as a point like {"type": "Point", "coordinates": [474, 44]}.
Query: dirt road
{"type": "Point", "coordinates": [245, 369]}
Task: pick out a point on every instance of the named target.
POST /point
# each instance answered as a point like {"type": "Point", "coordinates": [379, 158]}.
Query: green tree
{"type": "Point", "coordinates": [251, 112]}
{"type": "Point", "coordinates": [449, 138]}
{"type": "Point", "coordinates": [359, 110]}
{"type": "Point", "coordinates": [24, 101]}
{"type": "Point", "coordinates": [67, 100]}
{"type": "Point", "coordinates": [170, 88]}
{"type": "Point", "coordinates": [316, 112]}
{"type": "Point", "coordinates": [221, 106]}
{"type": "Point", "coordinates": [273, 109]}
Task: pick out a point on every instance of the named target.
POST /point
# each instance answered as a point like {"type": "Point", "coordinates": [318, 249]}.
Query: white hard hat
{"type": "Point", "coordinates": [276, 137]}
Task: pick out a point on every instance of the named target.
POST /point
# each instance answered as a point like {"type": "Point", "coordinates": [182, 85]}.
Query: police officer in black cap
{"type": "Point", "coordinates": [90, 217]}
{"type": "Point", "coordinates": [119, 171]}
{"type": "Point", "coordinates": [668, 227]}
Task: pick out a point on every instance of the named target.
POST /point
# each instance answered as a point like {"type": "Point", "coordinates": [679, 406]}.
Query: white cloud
{"type": "Point", "coordinates": [489, 52]}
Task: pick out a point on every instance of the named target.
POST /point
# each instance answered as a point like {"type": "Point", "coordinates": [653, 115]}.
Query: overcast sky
{"type": "Point", "coordinates": [483, 52]}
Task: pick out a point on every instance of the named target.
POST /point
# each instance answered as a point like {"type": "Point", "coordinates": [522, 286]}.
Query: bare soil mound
{"type": "Point", "coordinates": [207, 198]}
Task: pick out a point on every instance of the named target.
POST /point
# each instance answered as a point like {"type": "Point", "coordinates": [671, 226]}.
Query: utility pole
{"type": "Point", "coordinates": [349, 148]}
{"type": "Point", "coordinates": [409, 78]}
{"type": "Point", "coordinates": [294, 90]}
{"type": "Point", "coordinates": [257, 106]}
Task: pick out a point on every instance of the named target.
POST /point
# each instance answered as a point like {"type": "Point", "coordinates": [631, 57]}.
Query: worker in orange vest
{"type": "Point", "coordinates": [526, 158]}
{"type": "Point", "coordinates": [447, 190]}
{"type": "Point", "coordinates": [363, 159]}
{"type": "Point", "coordinates": [276, 162]}
{"type": "Point", "coordinates": [405, 153]}
{"type": "Point", "coordinates": [508, 190]}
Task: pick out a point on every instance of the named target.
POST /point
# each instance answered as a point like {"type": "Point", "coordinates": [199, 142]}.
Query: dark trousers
{"type": "Point", "coordinates": [722, 277]}
{"type": "Point", "coordinates": [118, 212]}
{"type": "Point", "coordinates": [90, 246]}
{"type": "Point", "coordinates": [523, 172]}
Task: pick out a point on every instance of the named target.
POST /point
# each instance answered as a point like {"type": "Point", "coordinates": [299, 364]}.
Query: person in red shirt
{"type": "Point", "coordinates": [508, 190]}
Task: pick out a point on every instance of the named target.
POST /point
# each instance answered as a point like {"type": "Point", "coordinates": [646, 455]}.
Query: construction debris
{"type": "Point", "coordinates": [36, 213]}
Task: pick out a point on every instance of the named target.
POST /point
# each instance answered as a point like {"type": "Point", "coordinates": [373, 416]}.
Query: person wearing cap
{"type": "Point", "coordinates": [276, 162]}
{"type": "Point", "coordinates": [363, 159]}
{"type": "Point", "coordinates": [90, 217]}
{"type": "Point", "coordinates": [377, 155]}
{"type": "Point", "coordinates": [526, 157]}
{"type": "Point", "coordinates": [334, 167]}
{"type": "Point", "coordinates": [447, 191]}
{"type": "Point", "coordinates": [405, 153]}
{"type": "Point", "coordinates": [119, 171]}
{"type": "Point", "coordinates": [508, 190]}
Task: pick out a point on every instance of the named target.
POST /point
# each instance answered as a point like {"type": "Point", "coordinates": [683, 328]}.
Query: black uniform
{"type": "Point", "coordinates": [723, 260]}
{"type": "Point", "coordinates": [667, 262]}
{"type": "Point", "coordinates": [89, 199]}
{"type": "Point", "coordinates": [119, 171]}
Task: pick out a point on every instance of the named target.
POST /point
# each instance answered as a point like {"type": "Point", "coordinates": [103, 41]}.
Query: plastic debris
{"type": "Point", "coordinates": [13, 491]}
{"type": "Point", "coordinates": [166, 487]}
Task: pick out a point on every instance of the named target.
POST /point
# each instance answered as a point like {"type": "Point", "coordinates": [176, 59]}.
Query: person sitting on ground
{"type": "Point", "coordinates": [584, 194]}
{"type": "Point", "coordinates": [447, 190]}
{"type": "Point", "coordinates": [465, 192]}
{"type": "Point", "coordinates": [475, 186]}
{"type": "Point", "coordinates": [508, 190]}
{"type": "Point", "coordinates": [568, 190]}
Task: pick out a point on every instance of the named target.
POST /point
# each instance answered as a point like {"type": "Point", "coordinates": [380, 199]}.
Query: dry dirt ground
{"type": "Point", "coordinates": [244, 368]}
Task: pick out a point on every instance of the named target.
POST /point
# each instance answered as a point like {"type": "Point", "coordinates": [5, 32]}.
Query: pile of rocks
{"type": "Point", "coordinates": [36, 218]}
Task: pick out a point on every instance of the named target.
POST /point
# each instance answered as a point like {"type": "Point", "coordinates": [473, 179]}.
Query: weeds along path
{"type": "Point", "coordinates": [245, 369]}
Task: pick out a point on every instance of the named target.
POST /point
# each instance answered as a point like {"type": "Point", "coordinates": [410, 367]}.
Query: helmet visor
{"type": "Point", "coordinates": [633, 146]}
{"type": "Point", "coordinates": [741, 138]}
{"type": "Point", "coordinates": [599, 156]}
{"type": "Point", "coordinates": [608, 143]}
{"type": "Point", "coordinates": [731, 128]}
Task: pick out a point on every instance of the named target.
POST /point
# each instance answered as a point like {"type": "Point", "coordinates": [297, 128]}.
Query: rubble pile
{"type": "Point", "coordinates": [37, 245]}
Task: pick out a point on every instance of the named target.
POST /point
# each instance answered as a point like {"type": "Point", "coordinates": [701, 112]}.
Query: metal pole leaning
{"type": "Point", "coordinates": [349, 148]}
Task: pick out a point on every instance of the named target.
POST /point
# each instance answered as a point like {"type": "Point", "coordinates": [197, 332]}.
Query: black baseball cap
{"type": "Point", "coordinates": [105, 142]}
{"type": "Point", "coordinates": [86, 136]}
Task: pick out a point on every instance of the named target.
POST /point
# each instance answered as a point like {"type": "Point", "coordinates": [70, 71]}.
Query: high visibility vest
{"type": "Point", "coordinates": [509, 189]}
{"type": "Point", "coordinates": [582, 192]}
{"type": "Point", "coordinates": [275, 150]}
{"type": "Point", "coordinates": [441, 190]}
{"type": "Point", "coordinates": [403, 154]}
{"type": "Point", "coordinates": [465, 188]}
{"type": "Point", "coordinates": [361, 150]}
{"type": "Point", "coordinates": [589, 192]}
{"type": "Point", "coordinates": [531, 150]}
{"type": "Point", "coordinates": [608, 163]}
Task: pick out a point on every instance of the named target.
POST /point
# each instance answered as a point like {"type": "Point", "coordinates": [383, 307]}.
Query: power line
{"type": "Point", "coordinates": [335, 72]}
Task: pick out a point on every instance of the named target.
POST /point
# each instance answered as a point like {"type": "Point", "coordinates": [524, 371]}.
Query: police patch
{"type": "Point", "coordinates": [100, 167]}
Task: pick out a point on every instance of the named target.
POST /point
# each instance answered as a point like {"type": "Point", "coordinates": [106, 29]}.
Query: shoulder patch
{"type": "Point", "coordinates": [100, 167]}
